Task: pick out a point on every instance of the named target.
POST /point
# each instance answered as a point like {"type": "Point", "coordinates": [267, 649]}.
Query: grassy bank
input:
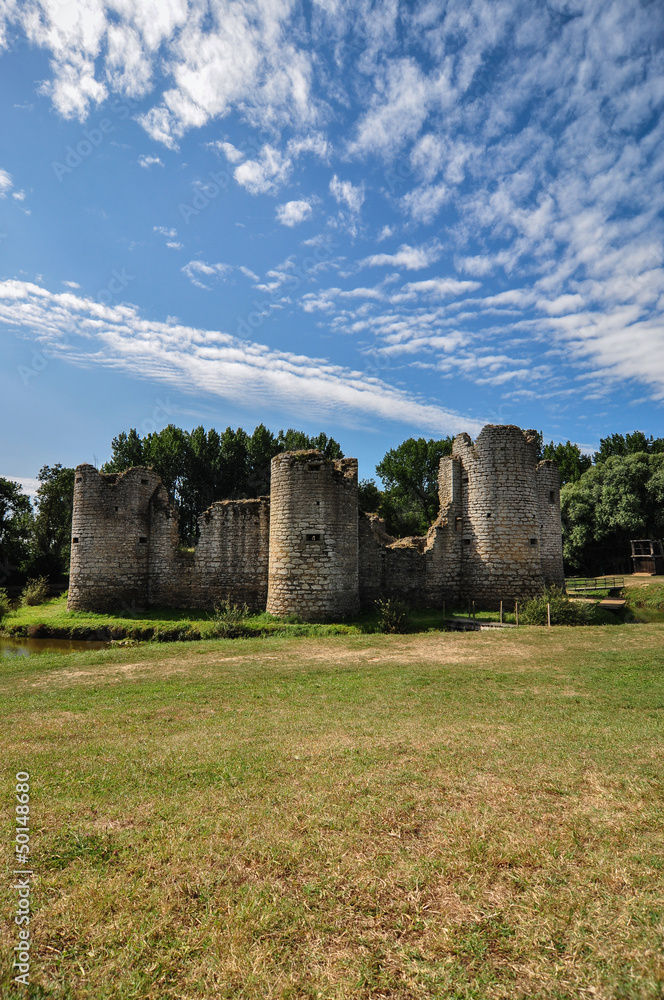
{"type": "Point", "coordinates": [52, 620]}
{"type": "Point", "coordinates": [468, 816]}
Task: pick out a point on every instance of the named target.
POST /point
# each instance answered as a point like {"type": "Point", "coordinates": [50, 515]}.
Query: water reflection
{"type": "Point", "coordinates": [28, 647]}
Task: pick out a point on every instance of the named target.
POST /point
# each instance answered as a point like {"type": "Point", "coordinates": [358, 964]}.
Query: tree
{"type": "Point", "coordinates": [569, 459]}
{"type": "Point", "coordinates": [199, 468]}
{"type": "Point", "coordinates": [613, 502]}
{"type": "Point", "coordinates": [410, 475]}
{"type": "Point", "coordinates": [51, 535]}
{"type": "Point", "coordinates": [16, 518]}
{"type": "Point", "coordinates": [627, 444]}
{"type": "Point", "coordinates": [369, 497]}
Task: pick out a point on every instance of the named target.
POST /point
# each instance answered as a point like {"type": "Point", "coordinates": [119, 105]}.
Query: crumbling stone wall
{"type": "Point", "coordinates": [497, 537]}
{"type": "Point", "coordinates": [306, 551]}
{"type": "Point", "coordinates": [229, 563]}
{"type": "Point", "coordinates": [126, 552]}
{"type": "Point", "coordinates": [313, 563]}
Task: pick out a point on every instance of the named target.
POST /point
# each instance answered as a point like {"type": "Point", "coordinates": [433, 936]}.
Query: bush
{"type": "Point", "coordinates": [5, 603]}
{"type": "Point", "coordinates": [392, 615]}
{"type": "Point", "coordinates": [563, 611]}
{"type": "Point", "coordinates": [228, 620]}
{"type": "Point", "coordinates": [35, 591]}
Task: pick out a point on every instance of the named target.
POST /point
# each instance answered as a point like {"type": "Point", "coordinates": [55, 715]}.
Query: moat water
{"type": "Point", "coordinates": [28, 647]}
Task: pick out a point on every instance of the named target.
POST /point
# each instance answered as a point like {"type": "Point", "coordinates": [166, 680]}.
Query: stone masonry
{"type": "Point", "coordinates": [313, 569]}
{"type": "Point", "coordinates": [305, 550]}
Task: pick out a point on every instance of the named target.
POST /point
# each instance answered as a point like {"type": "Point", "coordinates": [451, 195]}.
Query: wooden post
{"type": "Point", "coordinates": [501, 612]}
{"type": "Point", "coordinates": [548, 615]}
{"type": "Point", "coordinates": [473, 610]}
{"type": "Point", "coordinates": [443, 610]}
{"type": "Point", "coordinates": [516, 612]}
{"type": "Point", "coordinates": [469, 608]}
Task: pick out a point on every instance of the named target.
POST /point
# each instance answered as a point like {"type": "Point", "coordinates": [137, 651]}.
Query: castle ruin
{"type": "Point", "coordinates": [307, 550]}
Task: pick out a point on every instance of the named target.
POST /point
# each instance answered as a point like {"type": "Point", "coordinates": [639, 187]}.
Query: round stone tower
{"type": "Point", "coordinates": [313, 566]}
{"type": "Point", "coordinates": [110, 539]}
{"type": "Point", "coordinates": [501, 555]}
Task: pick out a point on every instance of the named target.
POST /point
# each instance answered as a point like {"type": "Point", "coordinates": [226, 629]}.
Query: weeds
{"type": "Point", "coordinates": [392, 616]}
{"type": "Point", "coordinates": [229, 620]}
{"type": "Point", "coordinates": [35, 591]}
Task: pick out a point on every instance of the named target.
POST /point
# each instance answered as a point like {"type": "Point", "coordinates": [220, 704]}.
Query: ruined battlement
{"type": "Point", "coordinates": [306, 550]}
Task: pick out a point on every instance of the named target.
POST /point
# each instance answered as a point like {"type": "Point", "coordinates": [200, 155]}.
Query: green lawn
{"type": "Point", "coordinates": [446, 815]}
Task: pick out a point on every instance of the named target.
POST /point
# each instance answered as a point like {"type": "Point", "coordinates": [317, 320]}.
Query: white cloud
{"type": "Point", "coordinates": [293, 212]}
{"type": "Point", "coordinates": [196, 270]}
{"type": "Point", "coordinates": [29, 486]}
{"type": "Point", "coordinates": [347, 194]}
{"type": "Point", "coordinates": [248, 273]}
{"type": "Point", "coordinates": [400, 105]}
{"type": "Point", "coordinates": [175, 245]}
{"type": "Point", "coordinates": [86, 334]}
{"type": "Point", "coordinates": [266, 174]}
{"type": "Point", "coordinates": [424, 203]}
{"type": "Point", "coordinates": [231, 152]}
{"type": "Point", "coordinates": [71, 284]}
{"type": "Point", "coordinates": [164, 231]}
{"type": "Point", "coordinates": [314, 143]}
{"type": "Point", "coordinates": [436, 288]}
{"type": "Point", "coordinates": [412, 258]}
{"type": "Point", "coordinates": [149, 161]}
{"type": "Point", "coordinates": [6, 183]}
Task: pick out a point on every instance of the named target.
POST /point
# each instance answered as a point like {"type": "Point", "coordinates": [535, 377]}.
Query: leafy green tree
{"type": "Point", "coordinates": [369, 497]}
{"type": "Point", "coordinates": [126, 451]}
{"type": "Point", "coordinates": [410, 475]}
{"type": "Point", "coordinates": [571, 462]}
{"type": "Point", "coordinates": [199, 468]}
{"type": "Point", "coordinates": [613, 502]}
{"type": "Point", "coordinates": [16, 520]}
{"type": "Point", "coordinates": [628, 444]}
{"type": "Point", "coordinates": [51, 534]}
{"type": "Point", "coordinates": [261, 449]}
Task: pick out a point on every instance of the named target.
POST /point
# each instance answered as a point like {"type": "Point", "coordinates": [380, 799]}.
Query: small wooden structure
{"type": "Point", "coordinates": [647, 556]}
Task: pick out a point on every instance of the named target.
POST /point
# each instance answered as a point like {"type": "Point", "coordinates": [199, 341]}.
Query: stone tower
{"type": "Point", "coordinates": [551, 530]}
{"type": "Point", "coordinates": [313, 564]}
{"type": "Point", "coordinates": [506, 527]}
{"type": "Point", "coordinates": [110, 538]}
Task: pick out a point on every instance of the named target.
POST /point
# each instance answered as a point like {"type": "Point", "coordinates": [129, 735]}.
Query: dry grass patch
{"type": "Point", "coordinates": [409, 817]}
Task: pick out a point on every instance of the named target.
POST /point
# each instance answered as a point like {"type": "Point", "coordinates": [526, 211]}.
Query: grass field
{"type": "Point", "coordinates": [447, 815]}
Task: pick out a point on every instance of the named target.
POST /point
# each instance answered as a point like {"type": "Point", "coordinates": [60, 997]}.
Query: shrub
{"type": "Point", "coordinates": [228, 620]}
{"type": "Point", "coordinates": [563, 611]}
{"type": "Point", "coordinates": [392, 615]}
{"type": "Point", "coordinates": [35, 591]}
{"type": "Point", "coordinates": [5, 603]}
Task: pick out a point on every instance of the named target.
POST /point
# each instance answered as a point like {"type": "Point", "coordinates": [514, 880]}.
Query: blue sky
{"type": "Point", "coordinates": [378, 220]}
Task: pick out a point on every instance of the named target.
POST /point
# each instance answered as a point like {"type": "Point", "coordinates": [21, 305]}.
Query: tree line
{"type": "Point", "coordinates": [607, 498]}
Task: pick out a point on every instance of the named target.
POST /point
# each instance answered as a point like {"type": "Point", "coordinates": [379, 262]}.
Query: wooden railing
{"type": "Point", "coordinates": [595, 583]}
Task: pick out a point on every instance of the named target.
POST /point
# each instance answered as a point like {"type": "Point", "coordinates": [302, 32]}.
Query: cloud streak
{"type": "Point", "coordinates": [82, 332]}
